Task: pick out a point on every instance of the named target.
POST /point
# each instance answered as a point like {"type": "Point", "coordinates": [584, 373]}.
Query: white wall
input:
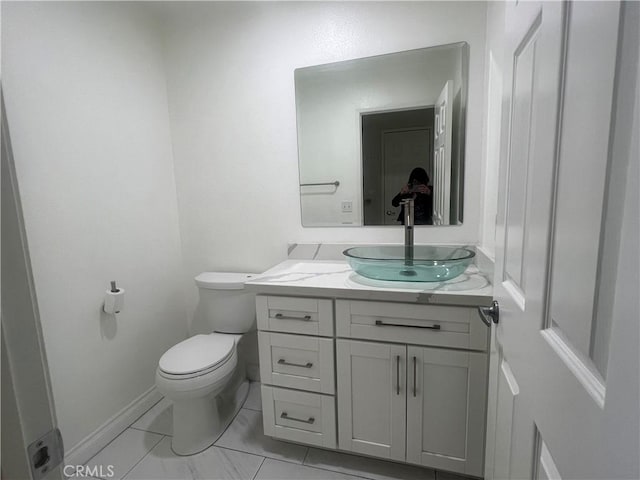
{"type": "Point", "coordinates": [232, 106]}
{"type": "Point", "coordinates": [494, 66]}
{"type": "Point", "coordinates": [87, 110]}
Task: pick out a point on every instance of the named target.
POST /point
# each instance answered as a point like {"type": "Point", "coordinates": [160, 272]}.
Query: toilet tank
{"type": "Point", "coordinates": [225, 303]}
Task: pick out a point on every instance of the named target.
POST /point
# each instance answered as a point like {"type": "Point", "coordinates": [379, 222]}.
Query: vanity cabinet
{"type": "Point", "coordinates": [405, 381]}
{"type": "Point", "coordinates": [416, 404]}
{"type": "Point", "coordinates": [421, 399]}
{"type": "Point", "coordinates": [297, 368]}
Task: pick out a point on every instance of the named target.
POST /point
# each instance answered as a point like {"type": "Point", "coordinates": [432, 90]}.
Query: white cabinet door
{"type": "Point", "coordinates": [446, 399]}
{"type": "Point", "coordinates": [372, 398]}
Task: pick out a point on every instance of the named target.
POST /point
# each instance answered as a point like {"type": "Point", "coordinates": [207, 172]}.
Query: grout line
{"type": "Point", "coordinates": [258, 470]}
{"type": "Point", "coordinates": [150, 431]}
{"type": "Point", "coordinates": [229, 426]}
{"type": "Point", "coordinates": [143, 457]}
{"type": "Point", "coordinates": [103, 448]}
{"type": "Point", "coordinates": [147, 411]}
{"type": "Point", "coordinates": [360, 473]}
{"type": "Point", "coordinates": [252, 409]}
{"type": "Point", "coordinates": [258, 454]}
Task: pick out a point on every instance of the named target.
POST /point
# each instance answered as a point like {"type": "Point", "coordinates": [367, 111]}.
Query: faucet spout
{"type": "Point", "coordinates": [408, 233]}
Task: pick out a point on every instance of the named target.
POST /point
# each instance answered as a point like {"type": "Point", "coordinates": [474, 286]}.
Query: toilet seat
{"type": "Point", "coordinates": [195, 356]}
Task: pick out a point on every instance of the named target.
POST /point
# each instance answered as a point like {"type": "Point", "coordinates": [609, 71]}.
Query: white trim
{"type": "Point", "coordinates": [548, 465]}
{"type": "Point", "coordinates": [581, 367]}
{"type": "Point", "coordinates": [108, 431]}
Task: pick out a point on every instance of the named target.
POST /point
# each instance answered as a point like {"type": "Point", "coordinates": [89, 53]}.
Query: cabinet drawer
{"type": "Point", "coordinates": [295, 361]}
{"type": "Point", "coordinates": [308, 316]}
{"type": "Point", "coordinates": [442, 326]}
{"type": "Point", "coordinates": [299, 416]}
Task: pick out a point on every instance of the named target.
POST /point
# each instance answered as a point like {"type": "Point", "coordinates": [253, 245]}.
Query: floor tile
{"type": "Point", "coordinates": [277, 470]}
{"type": "Point", "coordinates": [214, 463]}
{"type": "Point", "coordinates": [246, 435]}
{"type": "Point", "coordinates": [451, 476]}
{"type": "Point", "coordinates": [365, 466]}
{"type": "Point", "coordinates": [254, 399]}
{"type": "Point", "coordinates": [158, 419]}
{"type": "Point", "coordinates": [123, 453]}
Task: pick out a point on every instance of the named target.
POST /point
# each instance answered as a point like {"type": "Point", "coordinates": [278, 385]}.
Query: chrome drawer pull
{"type": "Point", "coordinates": [284, 415]}
{"type": "Point", "coordinates": [380, 323]}
{"type": "Point", "coordinates": [397, 374]}
{"type": "Point", "coordinates": [414, 376]}
{"type": "Point", "coordinates": [280, 316]}
{"type": "Point", "coordinates": [282, 361]}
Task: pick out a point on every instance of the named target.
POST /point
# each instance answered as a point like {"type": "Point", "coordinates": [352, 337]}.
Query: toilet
{"type": "Point", "coordinates": [202, 375]}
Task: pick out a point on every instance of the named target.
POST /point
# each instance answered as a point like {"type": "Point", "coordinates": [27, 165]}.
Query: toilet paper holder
{"type": "Point", "coordinates": [113, 299]}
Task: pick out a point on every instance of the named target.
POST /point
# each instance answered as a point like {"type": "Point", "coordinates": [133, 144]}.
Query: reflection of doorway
{"type": "Point", "coordinates": [388, 131]}
{"type": "Point", "coordinates": [402, 151]}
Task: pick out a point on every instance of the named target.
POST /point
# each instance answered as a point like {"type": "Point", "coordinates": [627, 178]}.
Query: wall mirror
{"type": "Point", "coordinates": [365, 125]}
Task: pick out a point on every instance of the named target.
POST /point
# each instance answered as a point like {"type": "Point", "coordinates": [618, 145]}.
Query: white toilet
{"type": "Point", "coordinates": [202, 375]}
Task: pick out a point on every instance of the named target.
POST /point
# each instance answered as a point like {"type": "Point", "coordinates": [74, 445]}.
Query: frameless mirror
{"type": "Point", "coordinates": [375, 130]}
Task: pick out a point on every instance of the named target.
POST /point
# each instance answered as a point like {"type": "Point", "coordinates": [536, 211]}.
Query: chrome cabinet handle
{"type": "Point", "coordinates": [280, 316]}
{"type": "Point", "coordinates": [286, 416]}
{"type": "Point", "coordinates": [414, 376]}
{"type": "Point", "coordinates": [282, 361]}
{"type": "Point", "coordinates": [397, 374]}
{"type": "Point", "coordinates": [490, 314]}
{"type": "Point", "coordinates": [380, 323]}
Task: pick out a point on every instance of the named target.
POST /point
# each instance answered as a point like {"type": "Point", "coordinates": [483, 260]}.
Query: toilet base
{"type": "Point", "coordinates": [199, 422]}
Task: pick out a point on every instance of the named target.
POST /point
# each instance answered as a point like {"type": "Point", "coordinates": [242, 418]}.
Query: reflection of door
{"type": "Point", "coordinates": [402, 151]}
{"type": "Point", "coordinates": [442, 158]}
{"type": "Point", "coordinates": [554, 411]}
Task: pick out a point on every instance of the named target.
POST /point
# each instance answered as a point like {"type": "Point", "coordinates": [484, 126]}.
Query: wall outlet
{"type": "Point", "coordinates": [347, 206]}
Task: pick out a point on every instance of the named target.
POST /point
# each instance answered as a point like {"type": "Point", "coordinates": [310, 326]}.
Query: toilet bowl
{"type": "Point", "coordinates": [202, 375]}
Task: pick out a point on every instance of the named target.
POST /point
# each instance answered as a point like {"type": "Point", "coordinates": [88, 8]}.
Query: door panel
{"type": "Point", "coordinates": [403, 150]}
{"type": "Point", "coordinates": [446, 393]}
{"type": "Point", "coordinates": [372, 398]}
{"type": "Point", "coordinates": [523, 114]}
{"type": "Point", "coordinates": [442, 158]}
{"type": "Point", "coordinates": [583, 148]}
{"type": "Point", "coordinates": [508, 392]}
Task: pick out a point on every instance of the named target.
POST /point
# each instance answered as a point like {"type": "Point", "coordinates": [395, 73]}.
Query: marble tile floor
{"type": "Point", "coordinates": [243, 452]}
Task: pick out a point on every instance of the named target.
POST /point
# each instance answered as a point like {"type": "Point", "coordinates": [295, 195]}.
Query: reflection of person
{"type": "Point", "coordinates": [417, 188]}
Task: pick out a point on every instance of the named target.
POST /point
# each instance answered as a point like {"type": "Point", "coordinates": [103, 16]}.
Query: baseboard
{"type": "Point", "coordinates": [100, 438]}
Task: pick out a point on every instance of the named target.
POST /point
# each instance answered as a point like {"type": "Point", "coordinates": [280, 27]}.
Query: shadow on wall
{"type": "Point", "coordinates": [108, 325]}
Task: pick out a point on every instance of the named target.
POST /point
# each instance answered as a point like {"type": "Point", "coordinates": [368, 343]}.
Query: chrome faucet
{"type": "Point", "coordinates": [407, 205]}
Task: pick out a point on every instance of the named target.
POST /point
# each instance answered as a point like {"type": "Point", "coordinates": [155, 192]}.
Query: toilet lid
{"type": "Point", "coordinates": [200, 352]}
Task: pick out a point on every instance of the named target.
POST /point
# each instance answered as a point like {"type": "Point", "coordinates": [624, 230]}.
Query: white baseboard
{"type": "Point", "coordinates": [96, 441]}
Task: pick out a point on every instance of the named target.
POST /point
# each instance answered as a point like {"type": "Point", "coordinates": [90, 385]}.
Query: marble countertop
{"type": "Point", "coordinates": [334, 278]}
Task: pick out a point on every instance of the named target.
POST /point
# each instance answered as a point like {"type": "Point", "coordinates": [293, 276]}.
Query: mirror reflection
{"type": "Point", "coordinates": [375, 130]}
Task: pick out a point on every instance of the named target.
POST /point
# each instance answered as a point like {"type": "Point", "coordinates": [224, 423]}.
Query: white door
{"type": "Point", "coordinates": [446, 395]}
{"type": "Point", "coordinates": [402, 151]}
{"type": "Point", "coordinates": [371, 398]}
{"type": "Point", "coordinates": [567, 339]}
{"type": "Point", "coordinates": [31, 443]}
{"type": "Point", "coordinates": [442, 158]}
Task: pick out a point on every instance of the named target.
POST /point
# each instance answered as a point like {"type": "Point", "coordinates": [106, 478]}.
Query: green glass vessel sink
{"type": "Point", "coordinates": [397, 263]}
